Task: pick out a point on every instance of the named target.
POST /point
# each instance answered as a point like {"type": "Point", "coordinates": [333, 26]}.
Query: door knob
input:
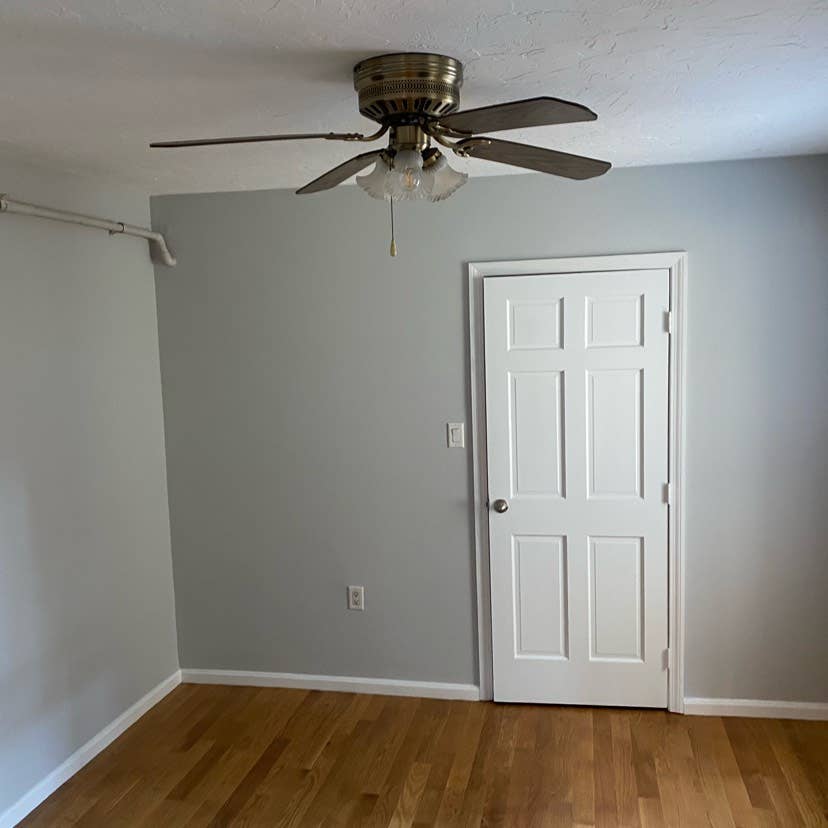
{"type": "Point", "coordinates": [500, 505]}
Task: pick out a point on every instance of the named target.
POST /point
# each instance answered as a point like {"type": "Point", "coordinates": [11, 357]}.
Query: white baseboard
{"type": "Point", "coordinates": [756, 708]}
{"type": "Point", "coordinates": [345, 684]}
{"type": "Point", "coordinates": [49, 784]}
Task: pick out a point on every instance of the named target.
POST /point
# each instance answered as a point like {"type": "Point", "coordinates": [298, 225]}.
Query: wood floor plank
{"type": "Point", "coordinates": [806, 798]}
{"type": "Point", "coordinates": [414, 750]}
{"type": "Point", "coordinates": [606, 809]}
{"type": "Point", "coordinates": [742, 734]}
{"type": "Point", "coordinates": [293, 790]}
{"type": "Point", "coordinates": [247, 787]}
{"type": "Point", "coordinates": [458, 778]}
{"type": "Point", "coordinates": [246, 757]}
{"type": "Point", "coordinates": [495, 810]}
{"type": "Point", "coordinates": [365, 780]}
{"type": "Point", "coordinates": [328, 801]}
{"type": "Point", "coordinates": [717, 804]}
{"type": "Point", "coordinates": [626, 791]}
{"type": "Point", "coordinates": [413, 788]}
{"type": "Point", "coordinates": [483, 769]}
{"type": "Point", "coordinates": [571, 760]}
{"type": "Point", "coordinates": [440, 757]}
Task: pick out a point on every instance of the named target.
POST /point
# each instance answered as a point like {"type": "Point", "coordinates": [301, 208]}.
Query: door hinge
{"type": "Point", "coordinates": [665, 656]}
{"type": "Point", "coordinates": [668, 321]}
{"type": "Point", "coordinates": [668, 494]}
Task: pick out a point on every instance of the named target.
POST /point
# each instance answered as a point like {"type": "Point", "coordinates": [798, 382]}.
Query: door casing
{"type": "Point", "coordinates": [676, 263]}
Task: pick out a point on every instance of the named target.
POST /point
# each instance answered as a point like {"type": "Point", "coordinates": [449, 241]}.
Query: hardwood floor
{"type": "Point", "coordinates": [214, 756]}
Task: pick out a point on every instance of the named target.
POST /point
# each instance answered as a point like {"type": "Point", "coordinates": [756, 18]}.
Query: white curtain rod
{"type": "Point", "coordinates": [159, 252]}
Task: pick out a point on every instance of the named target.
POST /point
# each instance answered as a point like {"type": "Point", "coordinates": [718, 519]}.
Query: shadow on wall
{"type": "Point", "coordinates": [41, 668]}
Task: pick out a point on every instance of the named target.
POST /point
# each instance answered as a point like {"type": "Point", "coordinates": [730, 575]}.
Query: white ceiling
{"type": "Point", "coordinates": [86, 84]}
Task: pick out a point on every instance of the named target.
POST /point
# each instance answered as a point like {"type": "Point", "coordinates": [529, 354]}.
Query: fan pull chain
{"type": "Point", "coordinates": [393, 249]}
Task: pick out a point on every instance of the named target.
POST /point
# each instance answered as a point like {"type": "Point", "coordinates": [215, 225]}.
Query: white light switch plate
{"type": "Point", "coordinates": [455, 435]}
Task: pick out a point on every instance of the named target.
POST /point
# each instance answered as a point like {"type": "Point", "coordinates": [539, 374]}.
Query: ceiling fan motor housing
{"type": "Point", "coordinates": [401, 88]}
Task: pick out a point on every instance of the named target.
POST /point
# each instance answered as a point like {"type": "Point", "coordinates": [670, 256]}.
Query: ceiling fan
{"type": "Point", "coordinates": [415, 97]}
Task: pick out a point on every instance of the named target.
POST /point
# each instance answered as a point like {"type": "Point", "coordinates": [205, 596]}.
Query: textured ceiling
{"type": "Point", "coordinates": [88, 83]}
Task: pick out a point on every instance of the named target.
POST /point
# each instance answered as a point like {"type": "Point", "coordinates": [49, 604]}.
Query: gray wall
{"type": "Point", "coordinates": [87, 622]}
{"type": "Point", "coordinates": [307, 378]}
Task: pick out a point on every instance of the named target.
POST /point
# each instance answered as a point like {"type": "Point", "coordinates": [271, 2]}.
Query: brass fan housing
{"type": "Point", "coordinates": [402, 88]}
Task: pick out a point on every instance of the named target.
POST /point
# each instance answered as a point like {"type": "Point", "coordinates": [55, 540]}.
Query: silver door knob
{"type": "Point", "coordinates": [500, 505]}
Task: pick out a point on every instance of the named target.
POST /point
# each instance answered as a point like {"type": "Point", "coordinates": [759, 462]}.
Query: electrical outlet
{"type": "Point", "coordinates": [356, 598]}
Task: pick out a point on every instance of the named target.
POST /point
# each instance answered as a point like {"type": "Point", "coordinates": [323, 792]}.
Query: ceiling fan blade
{"type": "Point", "coordinates": [341, 173]}
{"type": "Point", "coordinates": [516, 115]}
{"type": "Point", "coordinates": [534, 158]}
{"type": "Point", "coordinates": [255, 139]}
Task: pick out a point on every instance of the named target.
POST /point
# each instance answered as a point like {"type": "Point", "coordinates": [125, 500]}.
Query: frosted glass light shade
{"type": "Point", "coordinates": [441, 181]}
{"type": "Point", "coordinates": [374, 182]}
{"type": "Point", "coordinates": [403, 182]}
{"type": "Point", "coordinates": [408, 166]}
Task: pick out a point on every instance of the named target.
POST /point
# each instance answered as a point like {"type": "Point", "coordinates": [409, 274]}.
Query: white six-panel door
{"type": "Point", "coordinates": [577, 429]}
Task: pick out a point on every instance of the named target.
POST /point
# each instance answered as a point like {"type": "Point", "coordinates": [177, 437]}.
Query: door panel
{"type": "Point", "coordinates": [536, 438]}
{"type": "Point", "coordinates": [616, 581]}
{"type": "Point", "coordinates": [614, 438]}
{"type": "Point", "coordinates": [539, 582]}
{"type": "Point", "coordinates": [576, 410]}
{"type": "Point", "coordinates": [535, 325]}
{"type": "Point", "coordinates": [614, 321]}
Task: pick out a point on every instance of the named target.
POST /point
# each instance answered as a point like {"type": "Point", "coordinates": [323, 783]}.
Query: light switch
{"type": "Point", "coordinates": [456, 436]}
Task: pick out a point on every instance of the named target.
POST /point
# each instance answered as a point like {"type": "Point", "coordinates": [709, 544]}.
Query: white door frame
{"type": "Point", "coordinates": [676, 263]}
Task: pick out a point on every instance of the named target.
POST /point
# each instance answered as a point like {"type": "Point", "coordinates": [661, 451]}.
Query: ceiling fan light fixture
{"type": "Point", "coordinates": [410, 177]}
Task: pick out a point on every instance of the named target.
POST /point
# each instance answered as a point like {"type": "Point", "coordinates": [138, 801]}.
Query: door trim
{"type": "Point", "coordinates": [676, 263]}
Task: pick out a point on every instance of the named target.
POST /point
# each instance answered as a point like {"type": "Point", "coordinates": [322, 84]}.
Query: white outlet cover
{"type": "Point", "coordinates": [356, 598]}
